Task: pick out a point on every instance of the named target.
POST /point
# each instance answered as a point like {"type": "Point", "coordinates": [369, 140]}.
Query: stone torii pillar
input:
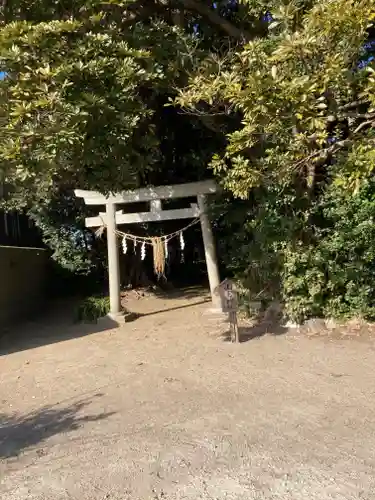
{"type": "Point", "coordinates": [153, 195]}
{"type": "Point", "coordinates": [209, 250]}
{"type": "Point", "coordinates": [113, 261]}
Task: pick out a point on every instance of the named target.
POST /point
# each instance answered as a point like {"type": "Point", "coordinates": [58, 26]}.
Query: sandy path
{"type": "Point", "coordinates": [164, 409]}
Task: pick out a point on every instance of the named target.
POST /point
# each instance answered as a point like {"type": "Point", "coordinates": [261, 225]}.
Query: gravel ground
{"type": "Point", "coordinates": [164, 408]}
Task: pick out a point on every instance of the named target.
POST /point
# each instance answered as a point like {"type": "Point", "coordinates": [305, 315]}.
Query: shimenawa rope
{"type": "Point", "coordinates": [158, 243]}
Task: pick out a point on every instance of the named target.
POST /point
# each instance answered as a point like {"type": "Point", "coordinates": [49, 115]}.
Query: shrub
{"type": "Point", "coordinates": [92, 308]}
{"type": "Point", "coordinates": [316, 255]}
{"type": "Point", "coordinates": [336, 275]}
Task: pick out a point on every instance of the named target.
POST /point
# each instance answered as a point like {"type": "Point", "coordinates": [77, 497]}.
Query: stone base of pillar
{"type": "Point", "coordinates": [215, 311]}
{"type": "Point", "coordinates": [112, 320]}
{"type": "Point", "coordinates": [119, 318]}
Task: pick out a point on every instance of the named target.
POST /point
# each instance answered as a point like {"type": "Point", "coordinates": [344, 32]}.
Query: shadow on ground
{"type": "Point", "coordinates": [260, 328]}
{"type": "Point", "coordinates": [18, 433]}
{"type": "Point", "coordinates": [56, 325]}
{"type": "Point", "coordinates": [184, 293]}
{"type": "Point", "coordinates": [133, 316]}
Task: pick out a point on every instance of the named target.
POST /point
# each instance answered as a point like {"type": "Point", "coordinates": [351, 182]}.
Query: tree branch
{"type": "Point", "coordinates": [353, 105]}
{"type": "Point", "coordinates": [142, 10]}
{"type": "Point", "coordinates": [323, 153]}
{"type": "Point", "coordinates": [357, 116]}
{"type": "Point", "coordinates": [172, 10]}
{"type": "Point", "coordinates": [214, 18]}
{"type": "Point", "coordinates": [363, 125]}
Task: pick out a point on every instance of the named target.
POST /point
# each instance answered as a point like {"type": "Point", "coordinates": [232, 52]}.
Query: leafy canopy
{"type": "Point", "coordinates": [303, 94]}
{"type": "Point", "coordinates": [80, 96]}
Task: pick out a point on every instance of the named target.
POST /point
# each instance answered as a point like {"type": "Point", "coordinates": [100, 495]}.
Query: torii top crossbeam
{"type": "Point", "coordinates": [149, 193]}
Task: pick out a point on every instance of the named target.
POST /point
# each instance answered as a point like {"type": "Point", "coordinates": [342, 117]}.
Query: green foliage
{"type": "Point", "coordinates": [317, 257]}
{"type": "Point", "coordinates": [335, 275]}
{"type": "Point", "coordinates": [82, 105]}
{"type": "Point", "coordinates": [253, 235]}
{"type": "Point", "coordinates": [92, 308]}
{"type": "Point", "coordinates": [292, 89]}
{"type": "Point", "coordinates": [61, 222]}
{"type": "Point", "coordinates": [300, 154]}
{"type": "Point", "coordinates": [79, 99]}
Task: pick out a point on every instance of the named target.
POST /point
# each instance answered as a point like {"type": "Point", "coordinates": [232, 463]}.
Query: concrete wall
{"type": "Point", "coordinates": [23, 273]}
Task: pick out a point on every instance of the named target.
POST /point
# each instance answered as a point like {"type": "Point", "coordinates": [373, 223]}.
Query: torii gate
{"type": "Point", "coordinates": [154, 195]}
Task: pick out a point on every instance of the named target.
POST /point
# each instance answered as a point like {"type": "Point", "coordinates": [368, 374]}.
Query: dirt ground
{"type": "Point", "coordinates": [165, 408]}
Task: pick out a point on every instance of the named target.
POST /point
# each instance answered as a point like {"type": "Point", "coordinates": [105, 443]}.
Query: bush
{"type": "Point", "coordinates": [317, 255]}
{"type": "Point", "coordinates": [92, 308]}
{"type": "Point", "coordinates": [335, 277]}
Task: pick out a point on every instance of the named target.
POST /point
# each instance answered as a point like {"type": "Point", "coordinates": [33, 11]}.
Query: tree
{"type": "Point", "coordinates": [304, 92]}
{"type": "Point", "coordinates": [87, 82]}
{"type": "Point", "coordinates": [79, 100]}
{"type": "Point", "coordinates": [299, 152]}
